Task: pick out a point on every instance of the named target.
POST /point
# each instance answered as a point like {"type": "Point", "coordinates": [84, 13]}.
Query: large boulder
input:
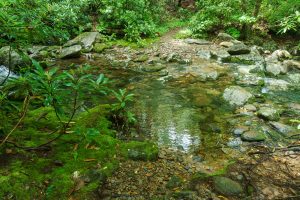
{"type": "Point", "coordinates": [226, 186]}
{"type": "Point", "coordinates": [85, 40]}
{"type": "Point", "coordinates": [238, 49]}
{"type": "Point", "coordinates": [16, 58]}
{"type": "Point", "coordinates": [71, 52]}
{"type": "Point", "coordinates": [236, 95]}
{"type": "Point", "coordinates": [225, 37]}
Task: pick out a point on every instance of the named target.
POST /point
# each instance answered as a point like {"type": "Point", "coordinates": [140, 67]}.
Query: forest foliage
{"type": "Point", "coordinates": [54, 22]}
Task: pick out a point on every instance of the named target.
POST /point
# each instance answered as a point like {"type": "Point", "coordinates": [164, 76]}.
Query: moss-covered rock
{"type": "Point", "coordinates": [253, 136]}
{"type": "Point", "coordinates": [227, 186]}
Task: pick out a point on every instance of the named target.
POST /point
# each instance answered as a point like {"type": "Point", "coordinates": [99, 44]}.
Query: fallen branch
{"type": "Point", "coordinates": [25, 108]}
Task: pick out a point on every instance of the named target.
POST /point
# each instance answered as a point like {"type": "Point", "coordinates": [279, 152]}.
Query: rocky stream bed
{"type": "Point", "coordinates": [221, 113]}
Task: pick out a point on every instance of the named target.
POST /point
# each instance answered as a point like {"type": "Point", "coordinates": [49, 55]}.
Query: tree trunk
{"type": "Point", "coordinates": [257, 8]}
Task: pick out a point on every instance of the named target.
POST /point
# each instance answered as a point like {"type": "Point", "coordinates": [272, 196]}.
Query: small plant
{"type": "Point", "coordinates": [121, 117]}
{"type": "Point", "coordinates": [64, 91]}
{"type": "Point", "coordinates": [234, 32]}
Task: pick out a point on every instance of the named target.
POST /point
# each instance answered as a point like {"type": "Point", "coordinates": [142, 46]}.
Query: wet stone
{"type": "Point", "coordinates": [227, 186]}
{"type": "Point", "coordinates": [281, 128]}
{"type": "Point", "coordinates": [253, 136]}
{"type": "Point", "coordinates": [240, 130]}
{"type": "Point", "coordinates": [269, 113]}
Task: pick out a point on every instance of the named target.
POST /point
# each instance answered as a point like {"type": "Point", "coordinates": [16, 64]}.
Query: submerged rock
{"type": "Point", "coordinates": [253, 136]}
{"type": "Point", "coordinates": [276, 84]}
{"type": "Point", "coordinates": [153, 68]}
{"type": "Point", "coordinates": [238, 131]}
{"type": "Point", "coordinates": [234, 142]}
{"type": "Point", "coordinates": [227, 186]}
{"type": "Point", "coordinates": [236, 95]}
{"type": "Point", "coordinates": [71, 52]}
{"type": "Point", "coordinates": [281, 128]}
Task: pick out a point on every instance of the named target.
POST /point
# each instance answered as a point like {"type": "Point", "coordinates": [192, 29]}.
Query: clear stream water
{"type": "Point", "coordinates": [180, 113]}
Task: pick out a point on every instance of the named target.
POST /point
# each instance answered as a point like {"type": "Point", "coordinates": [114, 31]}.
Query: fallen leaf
{"type": "Point", "coordinates": [89, 160]}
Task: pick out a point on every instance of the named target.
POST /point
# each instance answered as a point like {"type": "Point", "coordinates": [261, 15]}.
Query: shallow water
{"type": "Point", "coordinates": [179, 112]}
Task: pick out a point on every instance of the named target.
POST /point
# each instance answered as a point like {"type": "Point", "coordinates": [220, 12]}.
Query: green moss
{"type": "Point", "coordinates": [100, 47]}
{"type": "Point", "coordinates": [95, 118]}
{"type": "Point", "coordinates": [201, 176]}
{"type": "Point", "coordinates": [233, 59]}
{"type": "Point", "coordinates": [42, 118]}
{"type": "Point", "coordinates": [140, 151]}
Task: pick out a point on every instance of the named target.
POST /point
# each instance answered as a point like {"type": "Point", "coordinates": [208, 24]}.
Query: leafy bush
{"type": "Point", "coordinates": [233, 32]}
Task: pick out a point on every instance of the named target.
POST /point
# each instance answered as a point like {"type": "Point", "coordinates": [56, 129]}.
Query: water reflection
{"type": "Point", "coordinates": [166, 115]}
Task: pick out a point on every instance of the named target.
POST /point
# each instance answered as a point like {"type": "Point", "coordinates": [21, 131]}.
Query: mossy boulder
{"type": "Point", "coordinates": [227, 186]}
{"type": "Point", "coordinates": [145, 151]}
{"type": "Point", "coordinates": [253, 136]}
{"type": "Point", "coordinates": [70, 52]}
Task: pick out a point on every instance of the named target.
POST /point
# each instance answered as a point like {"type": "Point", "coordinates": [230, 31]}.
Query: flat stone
{"type": "Point", "coordinates": [240, 130]}
{"type": "Point", "coordinates": [197, 41]}
{"type": "Point", "coordinates": [250, 107]}
{"type": "Point", "coordinates": [226, 44]}
{"type": "Point", "coordinates": [71, 52]}
{"type": "Point", "coordinates": [238, 49]}
{"type": "Point", "coordinates": [85, 40]}
{"type": "Point", "coordinates": [253, 136]}
{"type": "Point", "coordinates": [276, 84]}
{"type": "Point", "coordinates": [236, 95]}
